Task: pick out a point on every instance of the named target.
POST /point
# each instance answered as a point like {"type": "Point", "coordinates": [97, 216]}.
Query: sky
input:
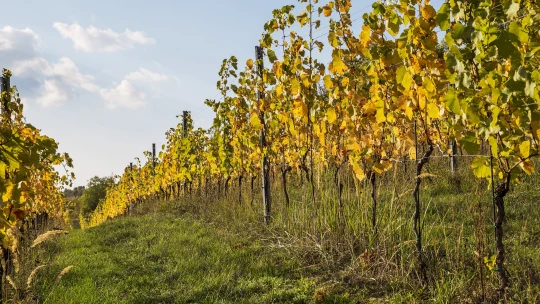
{"type": "Point", "coordinates": [106, 79]}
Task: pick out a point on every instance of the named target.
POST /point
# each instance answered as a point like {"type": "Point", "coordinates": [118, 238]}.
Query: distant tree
{"type": "Point", "coordinates": [74, 193]}
{"type": "Point", "coordinates": [78, 191]}
{"type": "Point", "coordinates": [95, 192]}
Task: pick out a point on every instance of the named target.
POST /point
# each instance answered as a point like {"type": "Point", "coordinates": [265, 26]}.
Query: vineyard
{"type": "Point", "coordinates": [31, 189]}
{"type": "Point", "coordinates": [402, 166]}
{"type": "Point", "coordinates": [350, 153]}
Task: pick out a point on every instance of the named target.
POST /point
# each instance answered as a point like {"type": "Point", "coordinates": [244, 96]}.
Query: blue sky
{"type": "Point", "coordinates": [106, 79]}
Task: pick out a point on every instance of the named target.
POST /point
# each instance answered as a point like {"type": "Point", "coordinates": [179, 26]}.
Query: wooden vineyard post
{"type": "Point", "coordinates": [453, 157]}
{"type": "Point", "coordinates": [5, 87]}
{"type": "Point", "coordinates": [264, 161]}
{"type": "Point", "coordinates": [185, 115]}
{"type": "Point", "coordinates": [131, 204]}
{"type": "Point", "coordinates": [154, 157]}
{"type": "Point", "coordinates": [417, 224]}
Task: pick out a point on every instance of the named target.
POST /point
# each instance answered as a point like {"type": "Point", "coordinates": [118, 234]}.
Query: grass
{"type": "Point", "coordinates": [371, 267]}
{"type": "Point", "coordinates": [166, 259]}
{"type": "Point", "coordinates": [215, 250]}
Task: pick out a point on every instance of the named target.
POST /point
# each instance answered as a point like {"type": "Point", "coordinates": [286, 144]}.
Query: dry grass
{"type": "Point", "coordinates": [63, 273]}
{"type": "Point", "coordinates": [33, 275]}
{"type": "Point", "coordinates": [47, 235]}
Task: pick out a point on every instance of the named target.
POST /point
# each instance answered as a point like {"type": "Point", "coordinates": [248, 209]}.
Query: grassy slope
{"type": "Point", "coordinates": [160, 260]}
{"type": "Point", "coordinates": [152, 259]}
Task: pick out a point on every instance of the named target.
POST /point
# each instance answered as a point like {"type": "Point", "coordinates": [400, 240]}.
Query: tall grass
{"type": "Point", "coordinates": [457, 225]}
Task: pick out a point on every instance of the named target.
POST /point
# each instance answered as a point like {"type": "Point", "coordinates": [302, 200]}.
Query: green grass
{"type": "Point", "coordinates": [309, 253]}
{"type": "Point", "coordinates": [162, 259]}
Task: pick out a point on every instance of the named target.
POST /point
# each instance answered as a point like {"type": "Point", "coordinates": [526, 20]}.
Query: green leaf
{"type": "Point", "coordinates": [505, 48]}
{"type": "Point", "coordinates": [271, 55]}
{"type": "Point", "coordinates": [516, 29]}
{"type": "Point", "coordinates": [452, 102]}
{"type": "Point", "coordinates": [469, 143]}
{"type": "Point", "coordinates": [393, 24]}
{"type": "Point", "coordinates": [378, 8]}
{"type": "Point", "coordinates": [521, 74]}
{"type": "Point", "coordinates": [443, 17]}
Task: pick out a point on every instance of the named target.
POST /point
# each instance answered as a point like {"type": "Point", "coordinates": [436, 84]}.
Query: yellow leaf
{"type": "Point", "coordinates": [249, 63]}
{"type": "Point", "coordinates": [352, 145]}
{"type": "Point", "coordinates": [428, 85]}
{"type": "Point", "coordinates": [380, 117]}
{"type": "Point", "coordinates": [390, 117]}
{"type": "Point", "coordinates": [428, 12]}
{"type": "Point", "coordinates": [327, 10]}
{"type": "Point", "coordinates": [328, 82]}
{"type": "Point", "coordinates": [365, 35]}
{"type": "Point", "coordinates": [407, 80]}
{"type": "Point", "coordinates": [433, 111]}
{"type": "Point", "coordinates": [279, 89]}
{"type": "Point", "coordinates": [409, 112]}
{"type": "Point", "coordinates": [527, 167]}
{"type": "Point", "coordinates": [369, 107]}
{"type": "Point", "coordinates": [412, 153]}
{"type": "Point", "coordinates": [332, 39]}
{"type": "Point", "coordinates": [345, 81]}
{"type": "Point", "coordinates": [255, 121]}
{"type": "Point", "coordinates": [337, 66]}
{"type": "Point", "coordinates": [525, 149]}
{"type": "Point", "coordinates": [383, 166]}
{"type": "Point", "coordinates": [278, 69]}
{"type": "Point", "coordinates": [295, 87]}
{"type": "Point", "coordinates": [331, 115]}
{"type": "Point", "coordinates": [481, 168]}
{"type": "Point", "coordinates": [300, 109]}
{"type": "Point", "coordinates": [535, 126]}
{"type": "Point", "coordinates": [358, 170]}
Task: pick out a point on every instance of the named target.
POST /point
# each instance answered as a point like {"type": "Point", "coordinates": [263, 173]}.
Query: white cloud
{"type": "Point", "coordinates": [124, 95]}
{"type": "Point", "coordinates": [69, 72]}
{"type": "Point", "coordinates": [92, 39]}
{"type": "Point", "coordinates": [52, 83]}
{"type": "Point", "coordinates": [132, 91]}
{"type": "Point", "coordinates": [12, 39]}
{"type": "Point", "coordinates": [146, 75]}
{"type": "Point", "coordinates": [65, 70]}
{"type": "Point", "coordinates": [53, 94]}
{"type": "Point", "coordinates": [46, 82]}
